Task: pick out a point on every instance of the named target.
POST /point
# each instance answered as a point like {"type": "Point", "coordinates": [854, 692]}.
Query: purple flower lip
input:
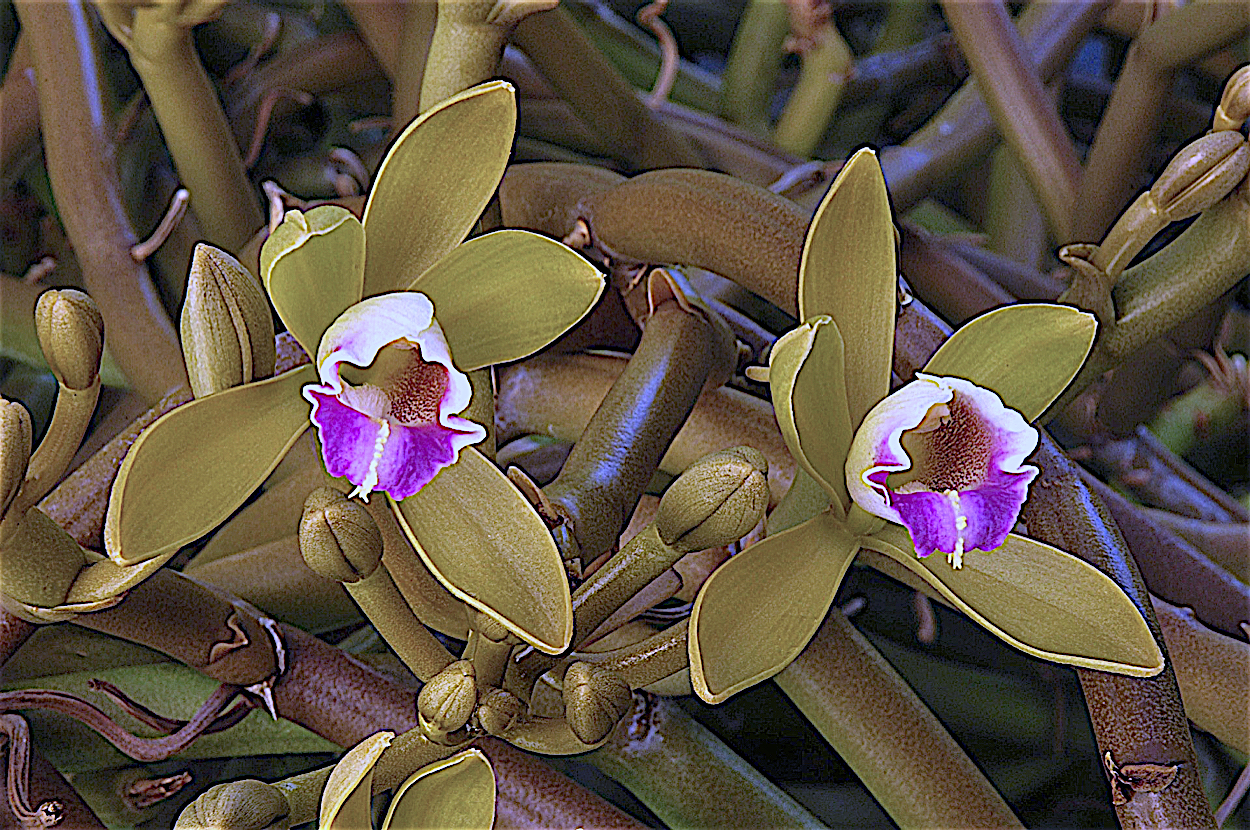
{"type": "Point", "coordinates": [396, 427]}
{"type": "Point", "coordinates": [944, 458]}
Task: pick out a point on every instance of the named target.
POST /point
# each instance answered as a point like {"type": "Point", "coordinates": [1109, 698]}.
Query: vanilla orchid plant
{"type": "Point", "coordinates": [938, 465]}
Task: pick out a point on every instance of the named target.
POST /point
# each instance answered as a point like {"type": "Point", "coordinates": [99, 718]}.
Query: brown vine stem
{"type": "Point", "coordinates": [598, 94]}
{"type": "Point", "coordinates": [19, 129]}
{"type": "Point", "coordinates": [1137, 720]}
{"type": "Point", "coordinates": [1023, 112]}
{"type": "Point", "coordinates": [77, 142]}
{"type": "Point", "coordinates": [963, 130]}
{"type": "Point", "coordinates": [1118, 157]}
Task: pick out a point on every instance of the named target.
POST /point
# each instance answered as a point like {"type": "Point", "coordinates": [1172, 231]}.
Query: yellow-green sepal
{"type": "Point", "coordinates": [434, 183]}
{"type": "Point", "coordinates": [849, 272]}
{"type": "Point", "coordinates": [349, 789]}
{"type": "Point", "coordinates": [479, 537]}
{"type": "Point", "coordinates": [454, 793]}
{"type": "Point", "coordinates": [756, 612]}
{"type": "Point", "coordinates": [505, 295]}
{"type": "Point", "coordinates": [807, 377]}
{"type": "Point", "coordinates": [1027, 353]}
{"type": "Point", "coordinates": [195, 465]}
{"type": "Point", "coordinates": [1040, 599]}
{"type": "Point", "coordinates": [313, 267]}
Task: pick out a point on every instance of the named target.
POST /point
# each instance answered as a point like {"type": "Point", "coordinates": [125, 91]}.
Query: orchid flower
{"type": "Point", "coordinates": [361, 296]}
{"type": "Point", "coordinates": [939, 465]}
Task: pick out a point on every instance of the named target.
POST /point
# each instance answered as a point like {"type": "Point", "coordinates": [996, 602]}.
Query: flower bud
{"type": "Point", "coordinates": [1234, 106]}
{"type": "Point", "coordinates": [1202, 173]}
{"type": "Point", "coordinates": [716, 501]}
{"type": "Point", "coordinates": [238, 805]}
{"type": "Point", "coordinates": [498, 711]}
{"type": "Point", "coordinates": [71, 334]}
{"type": "Point", "coordinates": [15, 446]}
{"type": "Point", "coordinates": [227, 329]}
{"type": "Point", "coordinates": [338, 537]}
{"type": "Point", "coordinates": [447, 701]}
{"type": "Point", "coordinates": [595, 700]}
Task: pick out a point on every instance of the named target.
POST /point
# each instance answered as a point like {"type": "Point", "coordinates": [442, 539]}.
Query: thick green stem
{"type": "Point", "coordinates": [687, 776]}
{"type": "Point", "coordinates": [750, 76]}
{"type": "Point", "coordinates": [872, 718]}
{"type": "Point", "coordinates": [464, 48]}
{"type": "Point", "coordinates": [826, 67]}
{"type": "Point", "coordinates": [622, 445]}
{"type": "Point", "coordinates": [1023, 113]}
{"type": "Point", "coordinates": [194, 125]}
{"type": "Point", "coordinates": [77, 141]}
{"type": "Point", "coordinates": [1157, 294]}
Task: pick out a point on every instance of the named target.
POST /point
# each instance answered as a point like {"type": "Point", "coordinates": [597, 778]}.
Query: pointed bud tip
{"type": "Point", "coordinates": [716, 501]}
{"type": "Point", "coordinates": [338, 537]}
{"type": "Point", "coordinates": [226, 325]}
{"type": "Point", "coordinates": [71, 334]}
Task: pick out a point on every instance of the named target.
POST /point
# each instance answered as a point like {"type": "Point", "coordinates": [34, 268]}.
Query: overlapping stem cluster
{"type": "Point", "coordinates": [643, 530]}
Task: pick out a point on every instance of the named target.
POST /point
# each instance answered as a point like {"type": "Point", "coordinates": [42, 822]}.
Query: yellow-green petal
{"type": "Point", "coordinates": [195, 465]}
{"type": "Point", "coordinates": [756, 612]}
{"type": "Point", "coordinates": [348, 791]}
{"type": "Point", "coordinates": [313, 266]}
{"type": "Point", "coordinates": [434, 183]}
{"type": "Point", "coordinates": [479, 536]}
{"type": "Point", "coordinates": [1041, 600]}
{"type": "Point", "coordinates": [505, 295]}
{"type": "Point", "coordinates": [808, 382]}
{"type": "Point", "coordinates": [849, 272]}
{"type": "Point", "coordinates": [1026, 353]}
{"type": "Point", "coordinates": [456, 792]}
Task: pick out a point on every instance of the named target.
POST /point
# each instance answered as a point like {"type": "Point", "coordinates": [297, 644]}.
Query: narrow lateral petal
{"type": "Point", "coordinates": [194, 466]}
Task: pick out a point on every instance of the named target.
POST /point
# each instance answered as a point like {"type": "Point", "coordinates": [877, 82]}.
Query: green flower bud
{"type": "Point", "coordinates": [595, 700]}
{"type": "Point", "coordinates": [1202, 173]}
{"type": "Point", "coordinates": [237, 805]}
{"type": "Point", "coordinates": [1234, 106]}
{"type": "Point", "coordinates": [15, 447]}
{"type": "Point", "coordinates": [227, 329]}
{"type": "Point", "coordinates": [716, 501]}
{"type": "Point", "coordinates": [71, 334]}
{"type": "Point", "coordinates": [447, 701]}
{"type": "Point", "coordinates": [498, 711]}
{"type": "Point", "coordinates": [338, 537]}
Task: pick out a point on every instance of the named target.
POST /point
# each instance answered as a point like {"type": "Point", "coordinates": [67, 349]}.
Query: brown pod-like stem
{"type": "Point", "coordinates": [77, 142]}
{"type": "Point", "coordinates": [621, 447]}
{"type": "Point", "coordinates": [566, 57]}
{"type": "Point", "coordinates": [210, 632]}
{"type": "Point", "coordinates": [1137, 720]}
{"type": "Point", "coordinates": [659, 656]}
{"type": "Point", "coordinates": [1023, 112]}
